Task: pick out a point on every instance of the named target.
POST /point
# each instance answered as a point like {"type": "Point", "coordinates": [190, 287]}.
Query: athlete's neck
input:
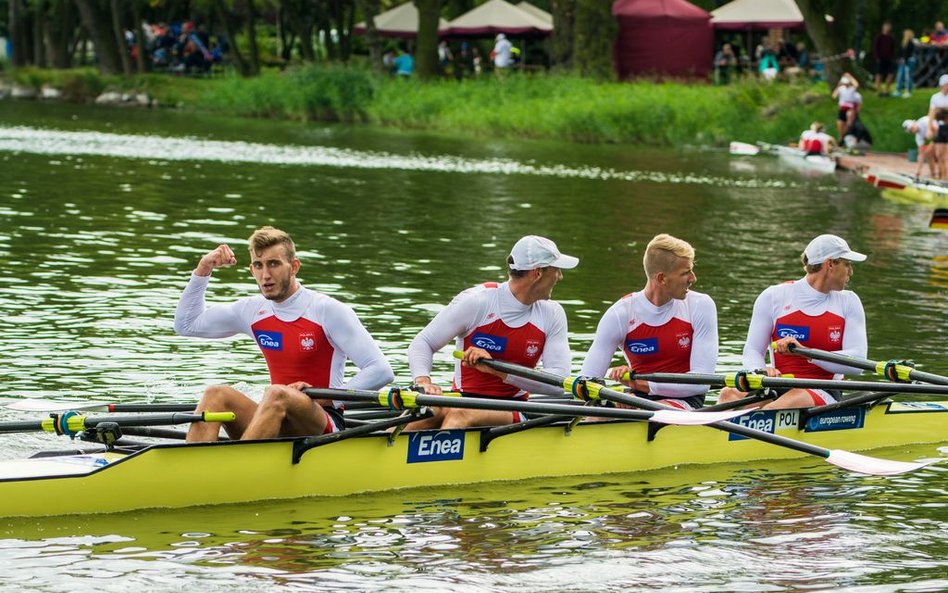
{"type": "Point", "coordinates": [655, 294]}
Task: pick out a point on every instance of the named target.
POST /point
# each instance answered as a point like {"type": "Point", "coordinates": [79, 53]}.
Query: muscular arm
{"type": "Point", "coordinates": [609, 336]}
{"type": "Point", "coordinates": [349, 335]}
{"type": "Point", "coordinates": [449, 323]}
{"type": "Point", "coordinates": [759, 333]}
{"type": "Point", "coordinates": [704, 351]}
{"type": "Point", "coordinates": [193, 318]}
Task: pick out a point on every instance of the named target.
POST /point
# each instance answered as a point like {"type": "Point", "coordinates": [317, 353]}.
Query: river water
{"type": "Point", "coordinates": [105, 212]}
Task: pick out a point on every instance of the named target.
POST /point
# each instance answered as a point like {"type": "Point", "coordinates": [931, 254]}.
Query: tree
{"type": "Point", "coordinates": [830, 38]}
{"type": "Point", "coordinates": [98, 24]}
{"type": "Point", "coordinates": [594, 32]}
{"type": "Point", "coordinates": [426, 43]}
{"type": "Point", "coordinates": [561, 41]}
{"type": "Point", "coordinates": [369, 9]}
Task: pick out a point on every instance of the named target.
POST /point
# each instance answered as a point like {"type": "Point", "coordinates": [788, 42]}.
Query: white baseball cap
{"type": "Point", "coordinates": [532, 252]}
{"type": "Point", "coordinates": [827, 247]}
{"type": "Point", "coordinates": [943, 80]}
{"type": "Point", "coordinates": [907, 125]}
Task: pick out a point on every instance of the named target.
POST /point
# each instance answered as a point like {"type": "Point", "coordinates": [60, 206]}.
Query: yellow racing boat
{"type": "Point", "coordinates": [176, 475]}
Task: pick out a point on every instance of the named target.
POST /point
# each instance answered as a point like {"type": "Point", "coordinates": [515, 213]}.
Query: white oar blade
{"type": "Point", "coordinates": [874, 466]}
{"type": "Point", "coordinates": [42, 405]}
{"type": "Point", "coordinates": [687, 418]}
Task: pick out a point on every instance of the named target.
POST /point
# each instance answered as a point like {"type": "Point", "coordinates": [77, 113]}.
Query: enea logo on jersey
{"type": "Point", "coordinates": [800, 332]}
{"type": "Point", "coordinates": [444, 445]}
{"type": "Point", "coordinates": [643, 346]}
{"type": "Point", "coordinates": [269, 340]}
{"type": "Point", "coordinates": [488, 342]}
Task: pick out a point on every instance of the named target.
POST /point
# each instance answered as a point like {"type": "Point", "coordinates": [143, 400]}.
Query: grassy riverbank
{"type": "Point", "coordinates": [519, 106]}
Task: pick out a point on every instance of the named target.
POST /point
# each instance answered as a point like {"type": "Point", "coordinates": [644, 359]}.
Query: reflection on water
{"type": "Point", "coordinates": [717, 529]}
{"type": "Point", "coordinates": [98, 247]}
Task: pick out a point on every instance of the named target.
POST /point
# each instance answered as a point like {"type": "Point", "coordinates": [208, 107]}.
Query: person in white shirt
{"type": "Point", "coordinates": [815, 312]}
{"type": "Point", "coordinates": [938, 129]}
{"type": "Point", "coordinates": [502, 52]}
{"type": "Point", "coordinates": [664, 328]}
{"type": "Point", "coordinates": [514, 321]}
{"type": "Point", "coordinates": [305, 337]}
{"type": "Point", "coordinates": [920, 128]}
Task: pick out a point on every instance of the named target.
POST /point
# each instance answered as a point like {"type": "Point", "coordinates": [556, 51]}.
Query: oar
{"type": "Point", "coordinates": [891, 370]}
{"type": "Point", "coordinates": [48, 405]}
{"type": "Point", "coordinates": [939, 219]}
{"type": "Point", "coordinates": [399, 399]}
{"type": "Point", "coordinates": [845, 459]}
{"type": "Point", "coordinates": [72, 423]}
{"type": "Point", "coordinates": [750, 381]}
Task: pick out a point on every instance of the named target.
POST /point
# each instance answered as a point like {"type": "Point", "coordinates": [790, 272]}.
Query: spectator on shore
{"type": "Point", "coordinates": [502, 53]}
{"type": "Point", "coordinates": [937, 109]}
{"type": "Point", "coordinates": [768, 66]}
{"type": "Point", "coordinates": [464, 64]}
{"type": "Point", "coordinates": [849, 101]}
{"type": "Point", "coordinates": [725, 64]}
{"type": "Point", "coordinates": [906, 65]}
{"type": "Point", "coordinates": [445, 56]}
{"type": "Point", "coordinates": [857, 138]}
{"type": "Point", "coordinates": [919, 127]}
{"type": "Point", "coordinates": [883, 49]}
{"type": "Point", "coordinates": [939, 36]}
{"type": "Point", "coordinates": [404, 63]}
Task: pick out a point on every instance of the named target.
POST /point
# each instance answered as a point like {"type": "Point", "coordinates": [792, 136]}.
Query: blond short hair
{"type": "Point", "coordinates": [266, 237]}
{"type": "Point", "coordinates": [663, 252]}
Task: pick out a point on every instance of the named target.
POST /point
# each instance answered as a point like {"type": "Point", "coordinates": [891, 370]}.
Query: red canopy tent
{"type": "Point", "coordinates": [662, 38]}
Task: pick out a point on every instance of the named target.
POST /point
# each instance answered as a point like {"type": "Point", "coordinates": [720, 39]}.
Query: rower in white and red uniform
{"type": "Point", "coordinates": [664, 328]}
{"type": "Point", "coordinates": [305, 337]}
{"type": "Point", "coordinates": [815, 312]}
{"type": "Point", "coordinates": [815, 141]}
{"type": "Point", "coordinates": [513, 321]}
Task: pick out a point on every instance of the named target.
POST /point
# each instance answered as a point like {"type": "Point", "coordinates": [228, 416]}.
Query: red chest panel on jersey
{"type": "Point", "coordinates": [522, 345]}
{"type": "Point", "coordinates": [295, 350]}
{"type": "Point", "coordinates": [662, 349]}
{"type": "Point", "coordinates": [824, 331]}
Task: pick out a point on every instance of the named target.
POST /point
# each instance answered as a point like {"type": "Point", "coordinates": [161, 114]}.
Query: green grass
{"type": "Point", "coordinates": [557, 107]}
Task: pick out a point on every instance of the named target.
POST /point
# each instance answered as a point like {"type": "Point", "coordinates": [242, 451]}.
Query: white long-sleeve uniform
{"type": "Point", "coordinates": [833, 321]}
{"type": "Point", "coordinates": [307, 337]}
{"type": "Point", "coordinates": [681, 336]}
{"type": "Point", "coordinates": [489, 316]}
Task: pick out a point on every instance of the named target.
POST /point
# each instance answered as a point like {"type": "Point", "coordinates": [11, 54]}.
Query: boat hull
{"type": "Point", "coordinates": [182, 475]}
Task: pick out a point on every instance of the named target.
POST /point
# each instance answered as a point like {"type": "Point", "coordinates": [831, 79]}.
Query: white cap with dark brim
{"type": "Point", "coordinates": [826, 247]}
{"type": "Point", "coordinates": [532, 252]}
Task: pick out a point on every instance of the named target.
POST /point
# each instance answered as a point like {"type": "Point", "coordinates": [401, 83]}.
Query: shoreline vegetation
{"type": "Point", "coordinates": [519, 106]}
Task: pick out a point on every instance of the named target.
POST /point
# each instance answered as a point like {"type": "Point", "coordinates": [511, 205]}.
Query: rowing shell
{"type": "Point", "coordinates": [179, 475]}
{"type": "Point", "coordinates": [799, 158]}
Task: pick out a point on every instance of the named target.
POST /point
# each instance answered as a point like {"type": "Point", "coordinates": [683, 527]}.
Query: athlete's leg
{"type": "Point", "coordinates": [461, 418]}
{"type": "Point", "coordinates": [285, 411]}
{"type": "Point", "coordinates": [795, 398]}
{"type": "Point", "coordinates": [222, 398]}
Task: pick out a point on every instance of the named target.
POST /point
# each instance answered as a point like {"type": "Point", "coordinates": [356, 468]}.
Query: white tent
{"type": "Point", "coordinates": [498, 16]}
{"type": "Point", "coordinates": [401, 21]}
{"type": "Point", "coordinates": [536, 11]}
{"type": "Point", "coordinates": [758, 15]}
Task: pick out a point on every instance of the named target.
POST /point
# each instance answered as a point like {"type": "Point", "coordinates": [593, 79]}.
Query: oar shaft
{"type": "Point", "coordinates": [905, 372]}
{"type": "Point", "coordinates": [639, 402]}
{"type": "Point", "coordinates": [77, 423]}
{"type": "Point", "coordinates": [478, 403]}
{"type": "Point", "coordinates": [788, 383]}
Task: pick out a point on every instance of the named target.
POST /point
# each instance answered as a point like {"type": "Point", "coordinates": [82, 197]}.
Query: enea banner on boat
{"type": "Point", "coordinates": [444, 445]}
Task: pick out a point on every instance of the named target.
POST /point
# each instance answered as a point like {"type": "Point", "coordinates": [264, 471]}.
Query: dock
{"type": "Point", "coordinates": [894, 162]}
